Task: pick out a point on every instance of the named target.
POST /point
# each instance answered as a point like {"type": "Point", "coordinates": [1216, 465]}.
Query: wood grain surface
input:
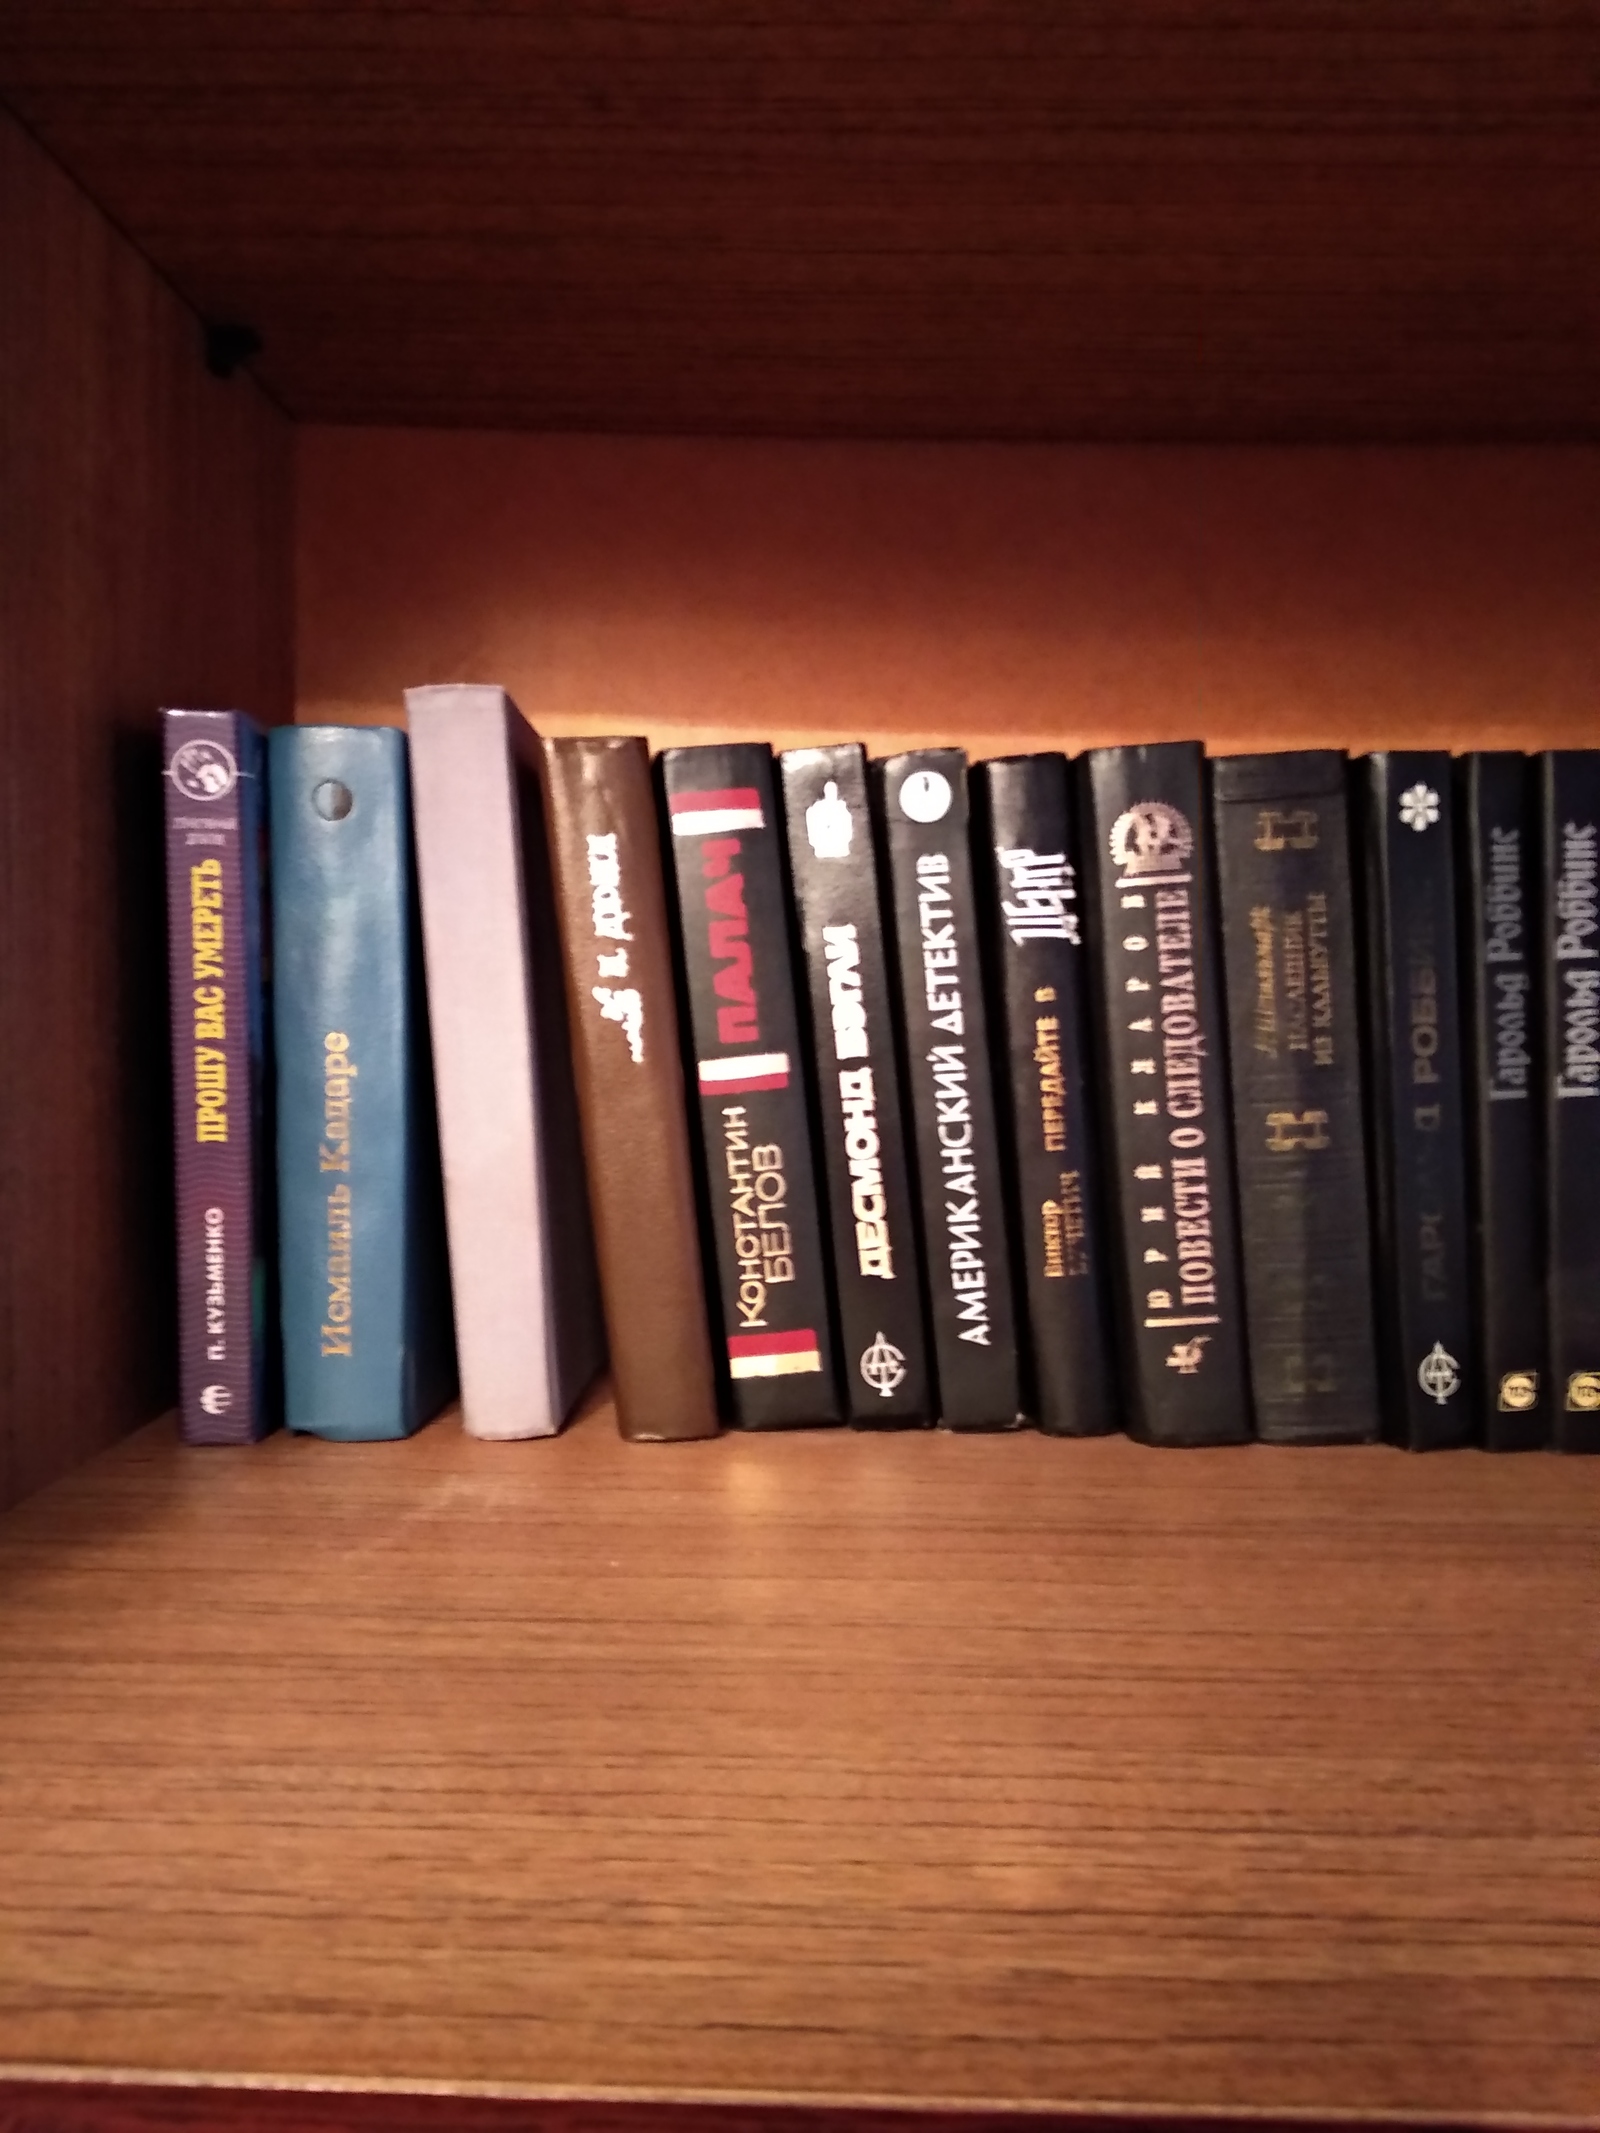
{"type": "Point", "coordinates": [818, 1768]}
{"type": "Point", "coordinates": [1011, 218]}
{"type": "Point", "coordinates": [144, 559]}
{"type": "Point", "coordinates": [986, 596]}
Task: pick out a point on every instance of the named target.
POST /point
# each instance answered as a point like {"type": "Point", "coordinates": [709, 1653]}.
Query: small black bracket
{"type": "Point", "coordinates": [229, 344]}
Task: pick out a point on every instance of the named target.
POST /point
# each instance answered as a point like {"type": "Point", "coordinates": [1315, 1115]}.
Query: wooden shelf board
{"type": "Point", "coordinates": [1000, 220]}
{"type": "Point", "coordinates": [830, 1766]}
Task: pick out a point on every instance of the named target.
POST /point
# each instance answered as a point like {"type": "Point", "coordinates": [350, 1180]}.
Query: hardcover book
{"type": "Point", "coordinates": [876, 1259]}
{"type": "Point", "coordinates": [922, 808]}
{"type": "Point", "coordinates": [367, 1351]}
{"type": "Point", "coordinates": [606, 853]}
{"type": "Point", "coordinates": [1501, 966]}
{"type": "Point", "coordinates": [725, 842]}
{"type": "Point", "coordinates": [1026, 858]}
{"type": "Point", "coordinates": [216, 815]}
{"type": "Point", "coordinates": [1569, 802]}
{"type": "Point", "coordinates": [529, 1324]}
{"type": "Point", "coordinates": [1152, 897]}
{"type": "Point", "coordinates": [1423, 1255]}
{"type": "Point", "coordinates": [1294, 1045]}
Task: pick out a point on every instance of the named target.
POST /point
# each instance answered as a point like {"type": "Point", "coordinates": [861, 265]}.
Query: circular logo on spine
{"type": "Point", "coordinates": [925, 796]}
{"type": "Point", "coordinates": [1439, 1374]}
{"type": "Point", "coordinates": [1583, 1391]}
{"type": "Point", "coordinates": [1151, 838]}
{"type": "Point", "coordinates": [1519, 1390]}
{"type": "Point", "coordinates": [883, 1366]}
{"type": "Point", "coordinates": [203, 770]}
{"type": "Point", "coordinates": [216, 1399]}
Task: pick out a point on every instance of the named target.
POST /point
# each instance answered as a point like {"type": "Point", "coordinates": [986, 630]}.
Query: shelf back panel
{"type": "Point", "coordinates": [995, 597]}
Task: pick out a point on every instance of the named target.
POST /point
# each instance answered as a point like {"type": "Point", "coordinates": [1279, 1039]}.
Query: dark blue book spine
{"type": "Point", "coordinates": [1570, 810]}
{"type": "Point", "coordinates": [1025, 855]}
{"type": "Point", "coordinates": [216, 844]}
{"type": "Point", "coordinates": [1294, 1027]}
{"type": "Point", "coordinates": [922, 808]}
{"type": "Point", "coordinates": [366, 1340]}
{"type": "Point", "coordinates": [1418, 1101]}
{"type": "Point", "coordinates": [1153, 907]}
{"type": "Point", "coordinates": [877, 1268]}
{"type": "Point", "coordinates": [1498, 855]}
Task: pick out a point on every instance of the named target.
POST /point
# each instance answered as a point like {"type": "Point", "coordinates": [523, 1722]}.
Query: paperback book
{"type": "Point", "coordinates": [876, 1260]}
{"type": "Point", "coordinates": [216, 828]}
{"type": "Point", "coordinates": [1294, 1041]}
{"type": "Point", "coordinates": [724, 838]}
{"type": "Point", "coordinates": [1164, 1052]}
{"type": "Point", "coordinates": [921, 802]}
{"type": "Point", "coordinates": [1026, 855]}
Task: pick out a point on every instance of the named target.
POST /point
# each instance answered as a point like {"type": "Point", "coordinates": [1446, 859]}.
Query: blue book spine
{"type": "Point", "coordinates": [366, 1341]}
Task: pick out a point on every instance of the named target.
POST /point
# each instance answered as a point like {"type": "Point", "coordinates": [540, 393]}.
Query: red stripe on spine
{"type": "Point", "coordinates": [698, 803]}
{"type": "Point", "coordinates": [772, 1343]}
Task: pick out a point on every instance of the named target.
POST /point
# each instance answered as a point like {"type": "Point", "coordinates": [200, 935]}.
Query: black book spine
{"type": "Point", "coordinates": [876, 1260]}
{"type": "Point", "coordinates": [725, 859]}
{"type": "Point", "coordinates": [1424, 1293]}
{"type": "Point", "coordinates": [1152, 898]}
{"type": "Point", "coordinates": [1497, 851]}
{"type": "Point", "coordinates": [1025, 852]}
{"type": "Point", "coordinates": [922, 804]}
{"type": "Point", "coordinates": [1294, 1049]}
{"type": "Point", "coordinates": [1570, 810]}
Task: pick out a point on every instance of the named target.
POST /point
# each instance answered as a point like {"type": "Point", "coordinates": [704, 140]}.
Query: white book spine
{"type": "Point", "coordinates": [481, 1012]}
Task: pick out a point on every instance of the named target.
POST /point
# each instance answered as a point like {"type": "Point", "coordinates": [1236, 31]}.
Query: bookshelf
{"type": "Point", "coordinates": [983, 371]}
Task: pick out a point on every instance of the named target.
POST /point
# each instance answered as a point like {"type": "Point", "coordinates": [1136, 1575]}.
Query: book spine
{"type": "Point", "coordinates": [724, 836]}
{"type": "Point", "coordinates": [1501, 965]}
{"type": "Point", "coordinates": [624, 1021]}
{"type": "Point", "coordinates": [364, 1351]}
{"type": "Point", "coordinates": [1294, 1045]}
{"type": "Point", "coordinates": [876, 1261]}
{"type": "Point", "coordinates": [1026, 860]}
{"type": "Point", "coordinates": [1570, 809]}
{"type": "Point", "coordinates": [529, 1322]}
{"type": "Point", "coordinates": [1154, 922]}
{"type": "Point", "coordinates": [1424, 1254]}
{"type": "Point", "coordinates": [921, 801]}
{"type": "Point", "coordinates": [215, 840]}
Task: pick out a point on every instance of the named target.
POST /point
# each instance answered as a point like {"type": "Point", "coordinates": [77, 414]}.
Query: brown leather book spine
{"type": "Point", "coordinates": [606, 851]}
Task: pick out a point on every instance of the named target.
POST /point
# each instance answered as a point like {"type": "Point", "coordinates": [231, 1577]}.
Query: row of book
{"type": "Point", "coordinates": [1257, 1095]}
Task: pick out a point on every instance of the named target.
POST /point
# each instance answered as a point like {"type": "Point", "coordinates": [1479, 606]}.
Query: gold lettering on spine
{"type": "Point", "coordinates": [338, 1078]}
{"type": "Point", "coordinates": [210, 1001]}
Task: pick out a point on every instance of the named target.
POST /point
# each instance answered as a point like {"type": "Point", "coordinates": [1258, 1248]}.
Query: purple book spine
{"type": "Point", "coordinates": [215, 820]}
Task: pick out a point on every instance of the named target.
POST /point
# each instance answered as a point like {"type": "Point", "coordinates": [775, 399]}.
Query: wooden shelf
{"type": "Point", "coordinates": [1153, 220]}
{"type": "Point", "coordinates": [827, 1767]}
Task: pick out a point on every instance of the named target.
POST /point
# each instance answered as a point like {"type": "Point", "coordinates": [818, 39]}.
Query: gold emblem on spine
{"type": "Point", "coordinates": [1583, 1391]}
{"type": "Point", "coordinates": [1519, 1390]}
{"type": "Point", "coordinates": [1296, 1129]}
{"type": "Point", "coordinates": [1292, 829]}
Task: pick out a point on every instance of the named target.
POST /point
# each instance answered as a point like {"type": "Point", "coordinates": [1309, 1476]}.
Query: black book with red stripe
{"type": "Point", "coordinates": [742, 1028]}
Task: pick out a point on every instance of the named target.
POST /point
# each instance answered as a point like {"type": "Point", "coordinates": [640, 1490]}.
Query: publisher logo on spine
{"type": "Point", "coordinates": [203, 770]}
{"type": "Point", "coordinates": [883, 1366]}
{"type": "Point", "coordinates": [1439, 1374]}
{"type": "Point", "coordinates": [1151, 838]}
{"type": "Point", "coordinates": [925, 796]}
